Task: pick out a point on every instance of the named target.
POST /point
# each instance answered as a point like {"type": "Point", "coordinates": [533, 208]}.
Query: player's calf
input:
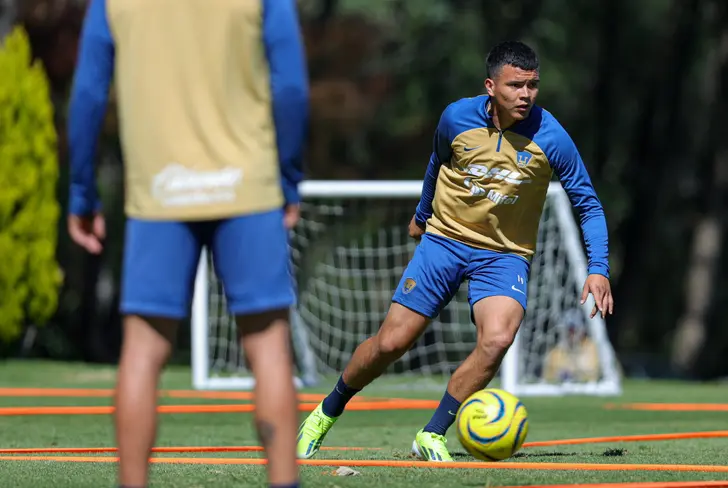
{"type": "Point", "coordinates": [146, 347]}
{"type": "Point", "coordinates": [400, 330]}
{"type": "Point", "coordinates": [266, 342]}
{"type": "Point", "coordinates": [497, 320]}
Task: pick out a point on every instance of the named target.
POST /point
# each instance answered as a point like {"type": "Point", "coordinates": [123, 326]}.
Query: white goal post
{"type": "Point", "coordinates": [349, 251]}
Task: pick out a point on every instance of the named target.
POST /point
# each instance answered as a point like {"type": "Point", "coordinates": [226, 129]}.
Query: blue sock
{"type": "Point", "coordinates": [294, 485]}
{"type": "Point", "coordinates": [335, 403]}
{"type": "Point", "coordinates": [444, 416]}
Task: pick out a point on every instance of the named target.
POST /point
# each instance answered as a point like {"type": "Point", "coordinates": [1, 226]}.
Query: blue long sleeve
{"type": "Point", "coordinates": [578, 186]}
{"type": "Point", "coordinates": [289, 85]}
{"type": "Point", "coordinates": [89, 98]}
{"type": "Point", "coordinates": [441, 154]}
{"type": "Point", "coordinates": [424, 207]}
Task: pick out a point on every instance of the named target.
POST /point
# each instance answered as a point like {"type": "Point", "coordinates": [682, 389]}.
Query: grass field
{"type": "Point", "coordinates": [387, 435]}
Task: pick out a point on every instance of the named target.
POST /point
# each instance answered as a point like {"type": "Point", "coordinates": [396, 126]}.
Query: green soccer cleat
{"type": "Point", "coordinates": [312, 431]}
{"type": "Point", "coordinates": [431, 447]}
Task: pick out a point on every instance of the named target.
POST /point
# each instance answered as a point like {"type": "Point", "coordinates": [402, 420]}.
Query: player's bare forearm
{"type": "Point", "coordinates": [600, 288]}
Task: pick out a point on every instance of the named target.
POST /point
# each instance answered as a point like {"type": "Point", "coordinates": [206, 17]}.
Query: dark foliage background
{"type": "Point", "coordinates": [641, 86]}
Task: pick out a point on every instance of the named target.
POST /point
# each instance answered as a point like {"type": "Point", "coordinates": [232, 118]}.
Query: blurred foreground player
{"type": "Point", "coordinates": [477, 219]}
{"type": "Point", "coordinates": [213, 104]}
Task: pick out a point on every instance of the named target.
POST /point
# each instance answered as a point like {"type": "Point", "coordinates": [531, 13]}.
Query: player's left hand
{"type": "Point", "coordinates": [598, 285]}
{"type": "Point", "coordinates": [291, 215]}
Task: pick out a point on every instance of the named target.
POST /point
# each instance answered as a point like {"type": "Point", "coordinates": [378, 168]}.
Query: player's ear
{"type": "Point", "coordinates": [489, 85]}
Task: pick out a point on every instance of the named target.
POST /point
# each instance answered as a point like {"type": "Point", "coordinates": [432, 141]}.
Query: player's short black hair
{"type": "Point", "coordinates": [514, 53]}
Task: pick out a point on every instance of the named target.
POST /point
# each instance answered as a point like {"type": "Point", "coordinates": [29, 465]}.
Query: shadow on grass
{"type": "Point", "coordinates": [463, 456]}
{"type": "Point", "coordinates": [607, 453]}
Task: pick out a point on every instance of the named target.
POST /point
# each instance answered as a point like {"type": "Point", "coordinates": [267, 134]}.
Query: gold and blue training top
{"type": "Point", "coordinates": [486, 188]}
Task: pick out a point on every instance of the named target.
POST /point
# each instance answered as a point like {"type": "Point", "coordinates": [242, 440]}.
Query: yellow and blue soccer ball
{"type": "Point", "coordinates": [492, 424]}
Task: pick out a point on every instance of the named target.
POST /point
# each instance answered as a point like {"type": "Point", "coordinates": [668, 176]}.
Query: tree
{"type": "Point", "coordinates": [698, 348]}
{"type": "Point", "coordinates": [29, 276]}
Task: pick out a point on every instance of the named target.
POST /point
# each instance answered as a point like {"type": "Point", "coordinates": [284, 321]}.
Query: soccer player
{"type": "Point", "coordinates": [213, 110]}
{"type": "Point", "coordinates": [477, 218]}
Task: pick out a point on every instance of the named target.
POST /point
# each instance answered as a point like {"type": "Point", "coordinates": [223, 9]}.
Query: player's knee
{"type": "Point", "coordinates": [497, 342]}
{"type": "Point", "coordinates": [400, 330]}
{"type": "Point", "coordinates": [148, 343]}
{"type": "Point", "coordinates": [392, 345]}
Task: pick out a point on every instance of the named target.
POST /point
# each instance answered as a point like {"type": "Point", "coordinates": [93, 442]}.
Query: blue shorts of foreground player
{"type": "Point", "coordinates": [440, 265]}
{"type": "Point", "coordinates": [250, 255]}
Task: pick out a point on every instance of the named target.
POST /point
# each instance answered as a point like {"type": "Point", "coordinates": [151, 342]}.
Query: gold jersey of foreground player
{"type": "Point", "coordinates": [212, 103]}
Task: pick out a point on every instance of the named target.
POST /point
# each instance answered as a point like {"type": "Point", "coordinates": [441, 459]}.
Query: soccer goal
{"type": "Point", "coordinates": [349, 252]}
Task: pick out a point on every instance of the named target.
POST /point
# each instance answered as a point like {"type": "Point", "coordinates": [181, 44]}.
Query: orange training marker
{"type": "Point", "coordinates": [103, 450]}
{"type": "Point", "coordinates": [670, 407]}
{"type": "Point", "coordinates": [558, 442]}
{"type": "Point", "coordinates": [631, 438]}
{"type": "Point", "coordinates": [376, 463]}
{"type": "Point", "coordinates": [226, 408]}
{"type": "Point", "coordinates": [212, 395]}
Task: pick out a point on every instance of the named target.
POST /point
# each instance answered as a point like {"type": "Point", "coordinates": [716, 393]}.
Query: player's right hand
{"type": "Point", "coordinates": [415, 231]}
{"type": "Point", "coordinates": [291, 215]}
{"type": "Point", "coordinates": [601, 290]}
{"type": "Point", "coordinates": [88, 232]}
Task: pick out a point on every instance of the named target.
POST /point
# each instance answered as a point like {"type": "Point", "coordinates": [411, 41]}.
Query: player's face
{"type": "Point", "coordinates": [514, 91]}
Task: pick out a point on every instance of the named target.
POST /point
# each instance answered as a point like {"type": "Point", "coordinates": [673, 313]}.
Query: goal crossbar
{"type": "Point", "coordinates": [371, 188]}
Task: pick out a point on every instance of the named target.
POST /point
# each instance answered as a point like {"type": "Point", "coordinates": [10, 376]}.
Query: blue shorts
{"type": "Point", "coordinates": [250, 255]}
{"type": "Point", "coordinates": [440, 265]}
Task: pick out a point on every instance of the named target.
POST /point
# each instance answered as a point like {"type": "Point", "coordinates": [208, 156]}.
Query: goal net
{"type": "Point", "coordinates": [349, 252]}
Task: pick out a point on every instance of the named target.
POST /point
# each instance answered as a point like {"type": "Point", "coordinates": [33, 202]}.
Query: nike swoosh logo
{"type": "Point", "coordinates": [450, 412]}
{"type": "Point", "coordinates": [468, 149]}
{"type": "Point", "coordinates": [513, 287]}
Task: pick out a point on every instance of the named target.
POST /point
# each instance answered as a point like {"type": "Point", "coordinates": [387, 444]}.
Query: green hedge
{"type": "Point", "coordinates": [30, 276]}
